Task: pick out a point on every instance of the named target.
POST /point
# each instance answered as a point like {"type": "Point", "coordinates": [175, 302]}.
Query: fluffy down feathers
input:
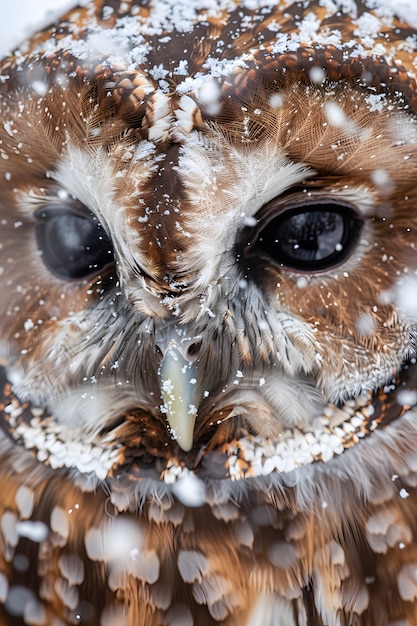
{"type": "Point", "coordinates": [208, 321]}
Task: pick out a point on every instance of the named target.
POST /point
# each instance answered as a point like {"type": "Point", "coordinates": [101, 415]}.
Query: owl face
{"type": "Point", "coordinates": [207, 319]}
{"type": "Point", "coordinates": [207, 234]}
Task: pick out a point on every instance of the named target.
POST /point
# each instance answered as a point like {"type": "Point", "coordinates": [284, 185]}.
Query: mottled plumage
{"type": "Point", "coordinates": [208, 324]}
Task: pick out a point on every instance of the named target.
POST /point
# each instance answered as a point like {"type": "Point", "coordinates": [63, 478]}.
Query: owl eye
{"type": "Point", "coordinates": [309, 238]}
{"type": "Point", "coordinates": [73, 245]}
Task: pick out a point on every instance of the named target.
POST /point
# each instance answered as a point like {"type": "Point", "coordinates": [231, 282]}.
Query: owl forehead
{"type": "Point", "coordinates": [176, 47]}
{"type": "Point", "coordinates": [134, 30]}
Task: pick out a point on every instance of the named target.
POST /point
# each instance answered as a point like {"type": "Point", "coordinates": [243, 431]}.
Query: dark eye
{"type": "Point", "coordinates": [309, 238]}
{"type": "Point", "coordinates": [73, 245]}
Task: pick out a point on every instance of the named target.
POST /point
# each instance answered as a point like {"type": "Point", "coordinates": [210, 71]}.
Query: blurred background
{"type": "Point", "coordinates": [21, 17]}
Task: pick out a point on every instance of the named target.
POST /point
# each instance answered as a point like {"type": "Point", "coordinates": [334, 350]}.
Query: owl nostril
{"type": "Point", "coordinates": [193, 350]}
{"type": "Point", "coordinates": [190, 353]}
{"type": "Point", "coordinates": [184, 338]}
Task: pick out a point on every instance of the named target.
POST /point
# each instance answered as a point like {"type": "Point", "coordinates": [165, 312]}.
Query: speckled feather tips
{"type": "Point", "coordinates": [208, 319]}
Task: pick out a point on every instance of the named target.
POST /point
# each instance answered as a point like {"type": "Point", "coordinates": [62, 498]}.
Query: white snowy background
{"type": "Point", "coordinates": [21, 17]}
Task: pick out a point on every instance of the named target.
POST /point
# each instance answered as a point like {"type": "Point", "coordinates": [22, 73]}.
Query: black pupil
{"type": "Point", "coordinates": [310, 239]}
{"type": "Point", "coordinates": [312, 236]}
{"type": "Point", "coordinates": [72, 245]}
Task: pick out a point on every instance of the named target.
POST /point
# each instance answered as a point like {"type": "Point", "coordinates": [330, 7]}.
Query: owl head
{"type": "Point", "coordinates": [208, 243]}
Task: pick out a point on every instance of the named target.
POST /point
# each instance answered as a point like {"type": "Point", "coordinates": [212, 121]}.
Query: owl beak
{"type": "Point", "coordinates": [180, 393]}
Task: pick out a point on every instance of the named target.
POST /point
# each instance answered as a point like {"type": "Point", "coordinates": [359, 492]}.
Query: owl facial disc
{"type": "Point", "coordinates": [208, 315]}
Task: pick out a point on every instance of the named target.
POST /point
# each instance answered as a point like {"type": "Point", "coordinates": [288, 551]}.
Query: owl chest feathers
{"type": "Point", "coordinates": [207, 355]}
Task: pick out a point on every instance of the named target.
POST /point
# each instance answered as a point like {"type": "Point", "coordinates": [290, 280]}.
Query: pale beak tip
{"type": "Point", "coordinates": [184, 445]}
{"type": "Point", "coordinates": [182, 429]}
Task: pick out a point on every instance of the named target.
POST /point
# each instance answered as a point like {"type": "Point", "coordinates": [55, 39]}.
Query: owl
{"type": "Point", "coordinates": [208, 316]}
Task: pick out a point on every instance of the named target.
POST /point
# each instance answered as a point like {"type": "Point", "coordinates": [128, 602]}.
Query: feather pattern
{"type": "Point", "coordinates": [208, 330]}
